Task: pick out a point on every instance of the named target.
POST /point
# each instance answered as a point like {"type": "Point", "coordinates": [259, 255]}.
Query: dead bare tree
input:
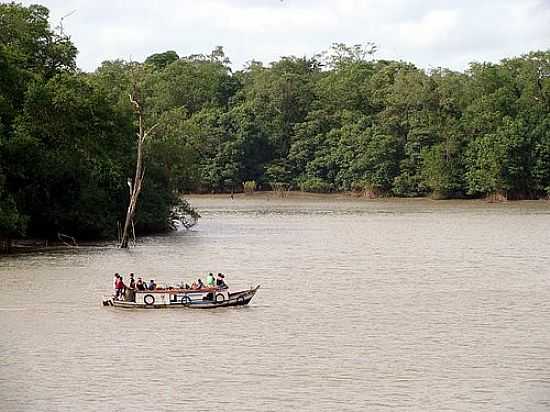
{"type": "Point", "coordinates": [135, 186]}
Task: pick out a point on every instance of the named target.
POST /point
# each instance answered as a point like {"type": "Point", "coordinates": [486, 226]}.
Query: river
{"type": "Point", "coordinates": [364, 305]}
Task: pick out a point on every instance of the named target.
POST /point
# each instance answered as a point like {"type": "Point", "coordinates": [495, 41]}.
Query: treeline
{"type": "Point", "coordinates": [338, 121]}
{"type": "Point", "coordinates": [345, 121]}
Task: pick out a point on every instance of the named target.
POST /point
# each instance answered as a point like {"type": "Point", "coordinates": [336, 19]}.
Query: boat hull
{"type": "Point", "coordinates": [183, 298]}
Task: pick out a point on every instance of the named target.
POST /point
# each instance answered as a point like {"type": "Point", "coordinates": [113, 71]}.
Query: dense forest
{"type": "Point", "coordinates": [342, 120]}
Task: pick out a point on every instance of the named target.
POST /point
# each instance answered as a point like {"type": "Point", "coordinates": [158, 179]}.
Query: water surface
{"type": "Point", "coordinates": [364, 305]}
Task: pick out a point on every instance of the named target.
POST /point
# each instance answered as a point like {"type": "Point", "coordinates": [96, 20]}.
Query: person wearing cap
{"type": "Point", "coordinates": [220, 282]}
{"type": "Point", "coordinates": [210, 281]}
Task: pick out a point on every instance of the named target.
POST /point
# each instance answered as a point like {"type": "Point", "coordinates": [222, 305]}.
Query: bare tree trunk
{"type": "Point", "coordinates": [133, 234]}
{"type": "Point", "coordinates": [135, 188]}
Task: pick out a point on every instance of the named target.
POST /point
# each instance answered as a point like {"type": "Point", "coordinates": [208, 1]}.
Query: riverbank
{"type": "Point", "coordinates": [344, 196]}
{"type": "Point", "coordinates": [265, 201]}
{"type": "Point", "coordinates": [24, 246]}
{"type": "Point", "coordinates": [343, 203]}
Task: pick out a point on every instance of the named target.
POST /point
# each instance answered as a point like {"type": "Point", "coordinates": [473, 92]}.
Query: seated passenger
{"type": "Point", "coordinates": [200, 285]}
{"type": "Point", "coordinates": [220, 282]}
{"type": "Point", "coordinates": [140, 285]}
{"type": "Point", "coordinates": [152, 285]}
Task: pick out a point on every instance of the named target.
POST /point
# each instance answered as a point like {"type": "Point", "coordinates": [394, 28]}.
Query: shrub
{"type": "Point", "coordinates": [249, 186]}
{"type": "Point", "coordinates": [315, 185]}
{"type": "Point", "coordinates": [366, 189]}
{"type": "Point", "coordinates": [280, 188]}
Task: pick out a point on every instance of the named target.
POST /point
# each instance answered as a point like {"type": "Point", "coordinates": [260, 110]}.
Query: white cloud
{"type": "Point", "coordinates": [426, 32]}
{"type": "Point", "coordinates": [431, 30]}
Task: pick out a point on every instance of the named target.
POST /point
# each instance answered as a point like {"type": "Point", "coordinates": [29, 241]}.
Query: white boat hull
{"type": "Point", "coordinates": [184, 298]}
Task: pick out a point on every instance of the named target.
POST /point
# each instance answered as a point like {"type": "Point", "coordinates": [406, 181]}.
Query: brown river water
{"type": "Point", "coordinates": [364, 305]}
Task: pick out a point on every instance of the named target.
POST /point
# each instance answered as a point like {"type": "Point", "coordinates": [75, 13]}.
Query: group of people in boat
{"type": "Point", "coordinates": [121, 289]}
{"type": "Point", "coordinates": [211, 282]}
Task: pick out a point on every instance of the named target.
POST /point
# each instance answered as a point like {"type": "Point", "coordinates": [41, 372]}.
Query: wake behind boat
{"type": "Point", "coordinates": [169, 298]}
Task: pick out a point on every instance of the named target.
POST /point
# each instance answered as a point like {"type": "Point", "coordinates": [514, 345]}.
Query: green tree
{"type": "Point", "coordinates": [161, 60]}
{"type": "Point", "coordinates": [63, 159]}
{"type": "Point", "coordinates": [28, 49]}
{"type": "Point", "coordinates": [194, 83]}
{"type": "Point", "coordinates": [12, 223]}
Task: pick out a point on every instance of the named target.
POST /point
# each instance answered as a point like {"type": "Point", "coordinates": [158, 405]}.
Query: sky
{"type": "Point", "coordinates": [428, 33]}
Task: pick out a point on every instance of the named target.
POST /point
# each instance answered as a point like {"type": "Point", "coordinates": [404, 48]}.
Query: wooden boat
{"type": "Point", "coordinates": [205, 298]}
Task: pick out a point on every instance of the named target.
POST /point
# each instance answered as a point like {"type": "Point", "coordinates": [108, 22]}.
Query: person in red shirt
{"type": "Point", "coordinates": [119, 288]}
{"type": "Point", "coordinates": [115, 283]}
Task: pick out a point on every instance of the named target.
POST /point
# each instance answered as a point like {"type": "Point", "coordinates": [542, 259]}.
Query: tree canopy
{"type": "Point", "coordinates": [342, 120]}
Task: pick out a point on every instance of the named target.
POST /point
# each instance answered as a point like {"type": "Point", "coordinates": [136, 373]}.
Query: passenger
{"type": "Point", "coordinates": [130, 291]}
{"type": "Point", "coordinates": [200, 285]}
{"type": "Point", "coordinates": [194, 285]}
{"type": "Point", "coordinates": [119, 286]}
{"type": "Point", "coordinates": [115, 283]}
{"type": "Point", "coordinates": [210, 281]}
{"type": "Point", "coordinates": [152, 285]}
{"type": "Point", "coordinates": [220, 282]}
{"type": "Point", "coordinates": [123, 285]}
{"type": "Point", "coordinates": [140, 285]}
{"type": "Point", "coordinates": [187, 286]}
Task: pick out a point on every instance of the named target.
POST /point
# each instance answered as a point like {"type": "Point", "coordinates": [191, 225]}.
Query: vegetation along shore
{"type": "Point", "coordinates": [340, 121]}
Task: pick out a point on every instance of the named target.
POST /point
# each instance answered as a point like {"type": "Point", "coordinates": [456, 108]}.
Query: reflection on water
{"type": "Point", "coordinates": [381, 305]}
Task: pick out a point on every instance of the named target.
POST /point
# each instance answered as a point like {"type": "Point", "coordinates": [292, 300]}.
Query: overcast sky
{"type": "Point", "coordinates": [429, 33]}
